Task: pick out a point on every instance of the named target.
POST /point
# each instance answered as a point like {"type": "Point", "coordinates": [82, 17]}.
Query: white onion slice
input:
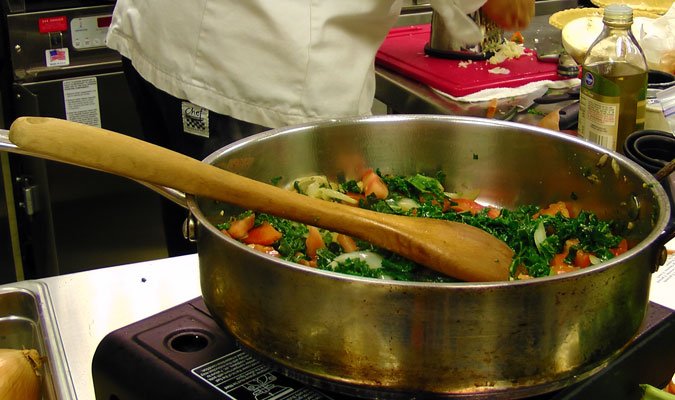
{"type": "Point", "coordinates": [373, 260]}
{"type": "Point", "coordinates": [539, 235]}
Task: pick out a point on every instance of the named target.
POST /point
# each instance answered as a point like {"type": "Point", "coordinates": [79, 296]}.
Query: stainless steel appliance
{"type": "Point", "coordinates": [58, 66]}
{"type": "Point", "coordinates": [182, 353]}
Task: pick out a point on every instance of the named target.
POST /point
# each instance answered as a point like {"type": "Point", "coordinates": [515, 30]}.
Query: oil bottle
{"type": "Point", "coordinates": [612, 101]}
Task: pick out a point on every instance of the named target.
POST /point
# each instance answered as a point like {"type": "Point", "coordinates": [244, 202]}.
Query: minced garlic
{"type": "Point", "coordinates": [499, 70]}
{"type": "Point", "coordinates": [506, 51]}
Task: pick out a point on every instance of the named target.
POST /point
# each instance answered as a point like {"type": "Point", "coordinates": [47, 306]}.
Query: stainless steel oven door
{"type": "Point", "coordinates": [70, 218]}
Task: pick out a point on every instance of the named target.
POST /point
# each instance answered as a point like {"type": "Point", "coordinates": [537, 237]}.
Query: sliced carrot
{"type": "Point", "coordinates": [314, 241]}
{"type": "Point", "coordinates": [265, 249]}
{"type": "Point", "coordinates": [521, 272]}
{"type": "Point", "coordinates": [558, 260]}
{"type": "Point", "coordinates": [553, 209]}
{"type": "Point", "coordinates": [304, 262]}
{"type": "Point", "coordinates": [517, 37]}
{"type": "Point", "coordinates": [563, 268]}
{"type": "Point", "coordinates": [491, 109]}
{"type": "Point", "coordinates": [263, 234]}
{"type": "Point", "coordinates": [446, 203]}
{"type": "Point", "coordinates": [494, 212]}
{"type": "Point", "coordinates": [347, 243]}
{"type": "Point", "coordinates": [373, 184]}
{"type": "Point", "coordinates": [582, 259]}
{"type": "Point", "coordinates": [239, 228]}
{"type": "Point", "coordinates": [621, 248]}
{"type": "Point", "coordinates": [465, 205]}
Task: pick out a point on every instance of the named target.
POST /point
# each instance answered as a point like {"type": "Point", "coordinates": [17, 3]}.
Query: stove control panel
{"type": "Point", "coordinates": [89, 32]}
{"type": "Point", "coordinates": [50, 44]}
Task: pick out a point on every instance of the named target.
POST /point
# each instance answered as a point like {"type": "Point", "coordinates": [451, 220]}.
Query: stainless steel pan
{"type": "Point", "coordinates": [401, 339]}
{"type": "Point", "coordinates": [378, 338]}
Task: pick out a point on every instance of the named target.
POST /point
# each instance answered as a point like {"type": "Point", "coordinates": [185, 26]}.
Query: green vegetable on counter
{"type": "Point", "coordinates": [650, 392]}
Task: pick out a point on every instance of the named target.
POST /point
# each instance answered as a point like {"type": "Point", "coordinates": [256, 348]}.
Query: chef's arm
{"type": "Point", "coordinates": [509, 14]}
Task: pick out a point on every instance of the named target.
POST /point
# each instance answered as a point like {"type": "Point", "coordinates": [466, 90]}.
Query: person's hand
{"type": "Point", "coordinates": [667, 63]}
{"type": "Point", "coordinates": [509, 14]}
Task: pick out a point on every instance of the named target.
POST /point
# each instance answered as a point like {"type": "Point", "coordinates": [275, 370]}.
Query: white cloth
{"type": "Point", "coordinates": [502, 93]}
{"type": "Point", "coordinates": [269, 62]}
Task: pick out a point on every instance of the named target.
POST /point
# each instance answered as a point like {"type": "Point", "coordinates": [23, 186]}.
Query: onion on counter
{"type": "Point", "coordinates": [20, 374]}
{"type": "Point", "coordinates": [579, 34]}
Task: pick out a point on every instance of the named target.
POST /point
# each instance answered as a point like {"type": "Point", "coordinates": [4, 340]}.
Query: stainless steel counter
{"type": "Point", "coordinates": [82, 308]}
{"type": "Point", "coordinates": [89, 305]}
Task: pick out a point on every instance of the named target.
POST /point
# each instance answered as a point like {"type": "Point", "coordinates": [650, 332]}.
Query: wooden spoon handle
{"type": "Point", "coordinates": [123, 155]}
{"type": "Point", "coordinates": [455, 249]}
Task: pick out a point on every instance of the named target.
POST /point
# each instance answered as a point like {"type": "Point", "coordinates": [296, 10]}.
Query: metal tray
{"type": "Point", "coordinates": [27, 321]}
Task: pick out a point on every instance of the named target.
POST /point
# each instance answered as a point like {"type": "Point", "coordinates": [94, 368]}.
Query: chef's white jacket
{"type": "Point", "coordinates": [269, 62]}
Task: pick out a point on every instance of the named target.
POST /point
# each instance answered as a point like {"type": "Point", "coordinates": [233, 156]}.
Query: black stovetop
{"type": "Point", "coordinates": [182, 353]}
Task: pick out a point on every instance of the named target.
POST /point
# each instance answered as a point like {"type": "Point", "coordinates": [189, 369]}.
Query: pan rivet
{"type": "Point", "coordinates": [189, 229]}
{"type": "Point", "coordinates": [662, 257]}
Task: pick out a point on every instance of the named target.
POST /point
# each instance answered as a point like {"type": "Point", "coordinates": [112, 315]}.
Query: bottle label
{"type": "Point", "coordinates": [599, 102]}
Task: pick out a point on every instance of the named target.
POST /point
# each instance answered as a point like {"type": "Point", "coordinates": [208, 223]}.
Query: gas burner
{"type": "Point", "coordinates": [182, 353]}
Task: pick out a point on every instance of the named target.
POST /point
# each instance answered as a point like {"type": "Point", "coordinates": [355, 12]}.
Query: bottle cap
{"type": "Point", "coordinates": [618, 13]}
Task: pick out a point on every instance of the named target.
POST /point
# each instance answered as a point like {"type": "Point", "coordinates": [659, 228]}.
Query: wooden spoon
{"type": "Point", "coordinates": [452, 248]}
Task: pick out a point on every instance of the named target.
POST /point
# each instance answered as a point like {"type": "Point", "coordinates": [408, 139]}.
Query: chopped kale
{"type": "Point", "coordinates": [536, 239]}
{"type": "Point", "coordinates": [294, 235]}
{"type": "Point", "coordinates": [397, 184]}
{"type": "Point", "coordinates": [351, 186]}
{"type": "Point", "coordinates": [426, 184]}
{"type": "Point", "coordinates": [398, 268]}
{"type": "Point", "coordinates": [324, 257]}
{"type": "Point", "coordinates": [354, 266]}
{"type": "Point", "coordinates": [381, 206]}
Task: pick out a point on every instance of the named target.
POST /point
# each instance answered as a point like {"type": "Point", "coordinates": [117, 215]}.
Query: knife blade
{"type": "Point", "coordinates": [524, 103]}
{"type": "Point", "coordinates": [571, 94]}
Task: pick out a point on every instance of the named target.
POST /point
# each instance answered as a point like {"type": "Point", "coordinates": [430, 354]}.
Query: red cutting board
{"type": "Point", "coordinates": [403, 52]}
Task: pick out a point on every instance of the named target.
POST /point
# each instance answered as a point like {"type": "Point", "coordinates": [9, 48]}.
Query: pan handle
{"type": "Point", "coordinates": [668, 183]}
{"type": "Point", "coordinates": [174, 195]}
{"type": "Point", "coordinates": [654, 151]}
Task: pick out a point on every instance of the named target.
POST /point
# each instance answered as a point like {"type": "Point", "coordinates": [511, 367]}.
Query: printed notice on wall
{"type": "Point", "coordinates": [81, 99]}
